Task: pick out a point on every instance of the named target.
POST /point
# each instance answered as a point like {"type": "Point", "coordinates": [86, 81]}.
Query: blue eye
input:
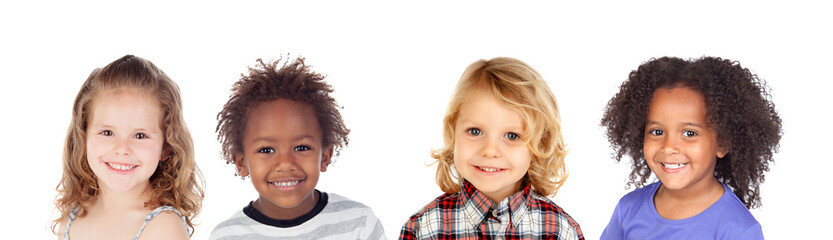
{"type": "Point", "coordinates": [140, 136]}
{"type": "Point", "coordinates": [689, 133]}
{"type": "Point", "coordinates": [302, 148]}
{"type": "Point", "coordinates": [106, 133]}
{"type": "Point", "coordinates": [266, 150]}
{"type": "Point", "coordinates": [655, 132]}
{"type": "Point", "coordinates": [474, 131]}
{"type": "Point", "coordinates": [512, 136]}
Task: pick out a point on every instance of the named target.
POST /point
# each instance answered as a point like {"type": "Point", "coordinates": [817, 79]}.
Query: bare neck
{"type": "Point", "coordinates": [133, 199]}
{"type": "Point", "coordinates": [686, 203]}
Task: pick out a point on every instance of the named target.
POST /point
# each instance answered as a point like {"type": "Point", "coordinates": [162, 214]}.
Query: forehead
{"type": "Point", "coordinates": [677, 104]}
{"type": "Point", "coordinates": [281, 118]}
{"type": "Point", "coordinates": [483, 106]}
{"type": "Point", "coordinates": [126, 104]}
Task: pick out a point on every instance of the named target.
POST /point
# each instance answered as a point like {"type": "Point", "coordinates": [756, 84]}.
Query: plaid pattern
{"type": "Point", "coordinates": [468, 214]}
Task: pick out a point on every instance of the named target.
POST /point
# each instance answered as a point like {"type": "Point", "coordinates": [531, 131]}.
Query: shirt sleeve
{"type": "Point", "coordinates": [754, 232]}
{"type": "Point", "coordinates": [376, 229]}
{"type": "Point", "coordinates": [614, 230]}
{"type": "Point", "coordinates": [407, 234]}
{"type": "Point", "coordinates": [410, 228]}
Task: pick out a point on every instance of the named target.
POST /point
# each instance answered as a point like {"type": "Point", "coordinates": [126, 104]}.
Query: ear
{"type": "Point", "coordinates": [722, 150]}
{"type": "Point", "coordinates": [240, 163]}
{"type": "Point", "coordinates": [326, 158]}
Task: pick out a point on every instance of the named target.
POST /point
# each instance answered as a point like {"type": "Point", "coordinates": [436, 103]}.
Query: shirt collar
{"type": "Point", "coordinates": [476, 205]}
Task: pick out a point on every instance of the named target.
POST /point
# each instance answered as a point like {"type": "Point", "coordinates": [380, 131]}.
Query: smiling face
{"type": "Point", "coordinates": [283, 153]}
{"type": "Point", "coordinates": [124, 139]}
{"type": "Point", "coordinates": [679, 146]}
{"type": "Point", "coordinates": [488, 149]}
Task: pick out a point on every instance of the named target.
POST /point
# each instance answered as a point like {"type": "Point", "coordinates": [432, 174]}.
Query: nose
{"type": "Point", "coordinates": [491, 147]}
{"type": "Point", "coordinates": [122, 147]}
{"type": "Point", "coordinates": [284, 161]}
{"type": "Point", "coordinates": [670, 145]}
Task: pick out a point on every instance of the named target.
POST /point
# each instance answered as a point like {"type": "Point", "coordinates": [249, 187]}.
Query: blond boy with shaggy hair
{"type": "Point", "coordinates": [503, 155]}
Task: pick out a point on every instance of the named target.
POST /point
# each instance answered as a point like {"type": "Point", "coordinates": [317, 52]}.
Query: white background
{"type": "Point", "coordinates": [393, 66]}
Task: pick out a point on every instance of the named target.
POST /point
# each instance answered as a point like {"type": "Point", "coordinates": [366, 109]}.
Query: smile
{"type": "Point", "coordinates": [121, 167]}
{"type": "Point", "coordinates": [489, 170]}
{"type": "Point", "coordinates": [285, 183]}
{"type": "Point", "coordinates": [674, 165]}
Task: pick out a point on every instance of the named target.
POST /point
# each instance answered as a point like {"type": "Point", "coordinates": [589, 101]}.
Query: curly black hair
{"type": "Point", "coordinates": [739, 108]}
{"type": "Point", "coordinates": [265, 82]}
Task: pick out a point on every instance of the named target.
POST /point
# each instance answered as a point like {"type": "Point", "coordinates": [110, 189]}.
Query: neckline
{"type": "Point", "coordinates": [258, 216]}
{"type": "Point", "coordinates": [479, 206]}
{"type": "Point", "coordinates": [707, 211]}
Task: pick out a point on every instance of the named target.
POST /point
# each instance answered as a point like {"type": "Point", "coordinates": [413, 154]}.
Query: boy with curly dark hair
{"type": "Point", "coordinates": [281, 128]}
{"type": "Point", "coordinates": [707, 129]}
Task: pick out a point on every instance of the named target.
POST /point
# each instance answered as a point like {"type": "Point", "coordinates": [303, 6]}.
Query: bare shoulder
{"type": "Point", "coordinates": [60, 228]}
{"type": "Point", "coordinates": [166, 225]}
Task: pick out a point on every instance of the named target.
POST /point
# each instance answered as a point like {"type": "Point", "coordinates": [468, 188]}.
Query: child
{"type": "Point", "coordinates": [281, 127]}
{"type": "Point", "coordinates": [129, 169]}
{"type": "Point", "coordinates": [503, 155]}
{"type": "Point", "coordinates": [707, 129]}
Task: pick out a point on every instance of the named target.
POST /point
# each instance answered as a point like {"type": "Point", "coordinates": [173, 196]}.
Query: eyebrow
{"type": "Point", "coordinates": [101, 125]}
{"type": "Point", "coordinates": [684, 124]}
{"type": "Point", "coordinates": [271, 139]}
{"type": "Point", "coordinates": [693, 124]}
{"type": "Point", "coordinates": [463, 120]}
{"type": "Point", "coordinates": [108, 126]}
{"type": "Point", "coordinates": [477, 123]}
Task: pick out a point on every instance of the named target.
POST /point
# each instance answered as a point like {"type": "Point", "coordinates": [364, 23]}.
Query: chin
{"type": "Point", "coordinates": [288, 201]}
{"type": "Point", "coordinates": [674, 184]}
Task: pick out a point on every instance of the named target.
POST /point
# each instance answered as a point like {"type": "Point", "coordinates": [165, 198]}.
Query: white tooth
{"type": "Point", "coordinates": [672, 166]}
{"type": "Point", "coordinates": [489, 169]}
{"type": "Point", "coordinates": [286, 184]}
{"type": "Point", "coordinates": [122, 167]}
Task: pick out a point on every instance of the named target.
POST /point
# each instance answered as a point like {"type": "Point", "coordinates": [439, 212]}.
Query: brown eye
{"type": "Point", "coordinates": [302, 148]}
{"type": "Point", "coordinates": [266, 150]}
{"type": "Point", "coordinates": [140, 136]}
{"type": "Point", "coordinates": [689, 133]}
{"type": "Point", "coordinates": [655, 132]}
{"type": "Point", "coordinates": [106, 133]}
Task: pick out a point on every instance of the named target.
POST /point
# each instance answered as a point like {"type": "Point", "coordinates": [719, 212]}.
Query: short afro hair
{"type": "Point", "coordinates": [739, 109]}
{"type": "Point", "coordinates": [266, 82]}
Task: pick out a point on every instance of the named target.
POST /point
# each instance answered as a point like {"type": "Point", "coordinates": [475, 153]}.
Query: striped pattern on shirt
{"type": "Point", "coordinates": [340, 218]}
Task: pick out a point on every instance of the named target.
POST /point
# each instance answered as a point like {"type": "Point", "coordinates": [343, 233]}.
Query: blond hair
{"type": "Point", "coordinates": [519, 87]}
{"type": "Point", "coordinates": [177, 181]}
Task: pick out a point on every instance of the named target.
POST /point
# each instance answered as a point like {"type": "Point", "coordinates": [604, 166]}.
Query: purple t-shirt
{"type": "Point", "coordinates": [635, 217]}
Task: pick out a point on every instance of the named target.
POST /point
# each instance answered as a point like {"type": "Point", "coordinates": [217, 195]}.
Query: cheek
{"type": "Point", "coordinates": [523, 159]}
{"type": "Point", "coordinates": [95, 149]}
{"type": "Point", "coordinates": [148, 151]}
{"type": "Point", "coordinates": [704, 152]}
{"type": "Point", "coordinates": [463, 150]}
{"type": "Point", "coordinates": [649, 149]}
{"type": "Point", "coordinates": [257, 166]}
{"type": "Point", "coordinates": [311, 161]}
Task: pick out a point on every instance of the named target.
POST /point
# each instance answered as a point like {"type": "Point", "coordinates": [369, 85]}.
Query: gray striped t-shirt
{"type": "Point", "coordinates": [334, 217]}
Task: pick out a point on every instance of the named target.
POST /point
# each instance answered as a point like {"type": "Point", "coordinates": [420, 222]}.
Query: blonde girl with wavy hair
{"type": "Point", "coordinates": [503, 152]}
{"type": "Point", "coordinates": [128, 162]}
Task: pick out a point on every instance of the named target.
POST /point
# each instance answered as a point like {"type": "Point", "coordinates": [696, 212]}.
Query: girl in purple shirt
{"type": "Point", "coordinates": [707, 129]}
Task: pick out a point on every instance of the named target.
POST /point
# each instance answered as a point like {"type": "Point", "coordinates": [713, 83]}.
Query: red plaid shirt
{"type": "Point", "coordinates": [468, 214]}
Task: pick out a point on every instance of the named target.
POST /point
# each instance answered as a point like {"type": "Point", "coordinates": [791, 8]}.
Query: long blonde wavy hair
{"type": "Point", "coordinates": [518, 86]}
{"type": "Point", "coordinates": [177, 181]}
